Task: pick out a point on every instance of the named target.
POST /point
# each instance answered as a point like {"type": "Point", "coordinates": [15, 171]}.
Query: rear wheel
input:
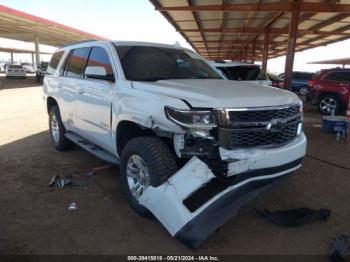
{"type": "Point", "coordinates": [145, 161]}
{"type": "Point", "coordinates": [57, 130]}
{"type": "Point", "coordinates": [329, 102]}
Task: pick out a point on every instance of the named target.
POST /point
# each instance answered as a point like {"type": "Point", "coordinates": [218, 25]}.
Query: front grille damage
{"type": "Point", "coordinates": [244, 129]}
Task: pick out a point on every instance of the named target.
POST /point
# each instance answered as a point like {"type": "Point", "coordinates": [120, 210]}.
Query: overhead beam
{"type": "Point", "coordinates": [169, 19]}
{"type": "Point", "coordinates": [189, 2]}
{"type": "Point", "coordinates": [261, 30]}
{"type": "Point", "coordinates": [266, 7]}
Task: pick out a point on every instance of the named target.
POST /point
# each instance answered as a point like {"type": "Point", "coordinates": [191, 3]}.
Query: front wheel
{"type": "Point", "coordinates": [145, 161]}
{"type": "Point", "coordinates": [328, 103]}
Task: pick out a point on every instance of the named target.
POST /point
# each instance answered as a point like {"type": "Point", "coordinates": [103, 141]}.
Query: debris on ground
{"type": "Point", "coordinates": [72, 206]}
{"type": "Point", "coordinates": [340, 248]}
{"type": "Point", "coordinates": [93, 170]}
{"type": "Point", "coordinates": [295, 217]}
{"type": "Point", "coordinates": [59, 182]}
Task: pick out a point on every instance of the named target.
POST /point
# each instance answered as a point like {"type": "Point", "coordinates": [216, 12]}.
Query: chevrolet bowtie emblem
{"type": "Point", "coordinates": [275, 125]}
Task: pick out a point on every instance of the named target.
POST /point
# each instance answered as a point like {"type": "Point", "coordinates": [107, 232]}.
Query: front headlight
{"type": "Point", "coordinates": [301, 106]}
{"type": "Point", "coordinates": [200, 119]}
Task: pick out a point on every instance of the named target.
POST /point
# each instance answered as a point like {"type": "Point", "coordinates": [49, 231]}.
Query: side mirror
{"type": "Point", "coordinates": [98, 72]}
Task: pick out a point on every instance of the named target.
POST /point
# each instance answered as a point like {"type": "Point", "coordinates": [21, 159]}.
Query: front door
{"type": "Point", "coordinates": [94, 107]}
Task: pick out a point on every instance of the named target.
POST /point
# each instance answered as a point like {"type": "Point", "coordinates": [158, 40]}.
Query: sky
{"type": "Point", "coordinates": [137, 20]}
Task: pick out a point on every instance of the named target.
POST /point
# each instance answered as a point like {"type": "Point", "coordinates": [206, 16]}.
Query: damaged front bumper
{"type": "Point", "coordinates": [193, 203]}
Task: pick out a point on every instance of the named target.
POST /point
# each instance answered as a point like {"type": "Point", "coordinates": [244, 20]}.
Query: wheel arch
{"type": "Point", "coordinates": [127, 130]}
{"type": "Point", "coordinates": [50, 102]}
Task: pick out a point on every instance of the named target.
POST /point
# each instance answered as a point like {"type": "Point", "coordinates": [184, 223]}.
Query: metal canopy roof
{"type": "Point", "coordinates": [229, 29]}
{"type": "Point", "coordinates": [21, 51]}
{"type": "Point", "coordinates": [339, 61]}
{"type": "Point", "coordinates": [18, 25]}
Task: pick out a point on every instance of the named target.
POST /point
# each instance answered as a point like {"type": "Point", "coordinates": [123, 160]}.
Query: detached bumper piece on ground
{"type": "Point", "coordinates": [193, 203]}
{"type": "Point", "coordinates": [295, 217]}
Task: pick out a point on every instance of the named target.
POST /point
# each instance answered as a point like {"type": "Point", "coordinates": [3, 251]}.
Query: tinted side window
{"type": "Point", "coordinates": [338, 77]}
{"type": "Point", "coordinates": [77, 62]}
{"type": "Point", "coordinates": [55, 60]}
{"type": "Point", "coordinates": [99, 57]}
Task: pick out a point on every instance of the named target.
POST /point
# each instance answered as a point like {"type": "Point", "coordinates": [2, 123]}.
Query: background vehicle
{"type": "Point", "coordinates": [41, 71]}
{"type": "Point", "coordinates": [15, 71]}
{"type": "Point", "coordinates": [28, 67]}
{"type": "Point", "coordinates": [242, 72]}
{"type": "Point", "coordinates": [330, 90]}
{"type": "Point", "coordinates": [276, 80]}
{"type": "Point", "coordinates": [176, 127]}
{"type": "Point", "coordinates": [300, 82]}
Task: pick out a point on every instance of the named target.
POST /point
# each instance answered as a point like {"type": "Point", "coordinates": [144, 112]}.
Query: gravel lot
{"type": "Point", "coordinates": [34, 218]}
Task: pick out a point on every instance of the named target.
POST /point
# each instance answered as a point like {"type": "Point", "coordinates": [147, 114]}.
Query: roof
{"type": "Point", "coordinates": [138, 43]}
{"type": "Point", "coordinates": [22, 51]}
{"type": "Point", "coordinates": [339, 61]}
{"type": "Point", "coordinates": [223, 29]}
{"type": "Point", "coordinates": [22, 26]}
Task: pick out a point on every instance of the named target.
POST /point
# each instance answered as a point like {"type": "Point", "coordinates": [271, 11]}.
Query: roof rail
{"type": "Point", "coordinates": [79, 42]}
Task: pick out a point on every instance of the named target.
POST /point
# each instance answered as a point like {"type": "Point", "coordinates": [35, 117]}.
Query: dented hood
{"type": "Point", "coordinates": [212, 93]}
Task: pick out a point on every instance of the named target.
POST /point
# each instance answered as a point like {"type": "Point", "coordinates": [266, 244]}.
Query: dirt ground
{"type": "Point", "coordinates": [34, 218]}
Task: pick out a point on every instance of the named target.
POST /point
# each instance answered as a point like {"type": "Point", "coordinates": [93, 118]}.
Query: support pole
{"type": "Point", "coordinates": [33, 61]}
{"type": "Point", "coordinates": [266, 51]}
{"type": "Point", "coordinates": [12, 58]}
{"type": "Point", "coordinates": [253, 52]}
{"type": "Point", "coordinates": [37, 51]}
{"type": "Point", "coordinates": [292, 37]}
{"type": "Point", "coordinates": [246, 54]}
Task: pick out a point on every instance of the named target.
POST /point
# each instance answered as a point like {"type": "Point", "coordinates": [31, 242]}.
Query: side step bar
{"type": "Point", "coordinates": [93, 149]}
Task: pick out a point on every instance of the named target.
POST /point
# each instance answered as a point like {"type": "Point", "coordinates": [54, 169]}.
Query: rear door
{"type": "Point", "coordinates": [71, 84]}
{"type": "Point", "coordinates": [337, 82]}
{"type": "Point", "coordinates": [94, 108]}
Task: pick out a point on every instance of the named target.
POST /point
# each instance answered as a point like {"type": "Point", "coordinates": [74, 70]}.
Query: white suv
{"type": "Point", "coordinates": [192, 146]}
{"type": "Point", "coordinates": [242, 72]}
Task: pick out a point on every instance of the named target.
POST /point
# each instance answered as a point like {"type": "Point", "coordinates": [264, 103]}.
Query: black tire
{"type": "Point", "coordinates": [333, 101]}
{"type": "Point", "coordinates": [303, 91]}
{"type": "Point", "coordinates": [60, 142]}
{"type": "Point", "coordinates": [160, 161]}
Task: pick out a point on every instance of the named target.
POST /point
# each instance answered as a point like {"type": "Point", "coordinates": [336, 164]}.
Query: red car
{"type": "Point", "coordinates": [330, 90]}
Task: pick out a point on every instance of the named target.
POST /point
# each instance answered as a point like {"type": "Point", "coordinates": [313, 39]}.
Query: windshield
{"type": "Point", "coordinates": [148, 63]}
{"type": "Point", "coordinates": [16, 67]}
{"type": "Point", "coordinates": [243, 73]}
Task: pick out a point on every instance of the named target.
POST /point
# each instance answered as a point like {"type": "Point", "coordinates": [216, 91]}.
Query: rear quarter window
{"type": "Point", "coordinates": [338, 77]}
{"type": "Point", "coordinates": [55, 60]}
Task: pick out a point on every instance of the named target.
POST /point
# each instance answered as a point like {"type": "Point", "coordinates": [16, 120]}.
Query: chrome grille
{"type": "Point", "coordinates": [258, 128]}
{"type": "Point", "coordinates": [263, 115]}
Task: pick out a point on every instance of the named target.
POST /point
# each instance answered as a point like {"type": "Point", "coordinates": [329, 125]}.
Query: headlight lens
{"type": "Point", "coordinates": [301, 106]}
{"type": "Point", "coordinates": [202, 119]}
